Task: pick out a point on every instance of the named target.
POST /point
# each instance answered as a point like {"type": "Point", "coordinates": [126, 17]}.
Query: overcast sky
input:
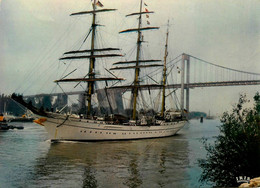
{"type": "Point", "coordinates": [34, 34]}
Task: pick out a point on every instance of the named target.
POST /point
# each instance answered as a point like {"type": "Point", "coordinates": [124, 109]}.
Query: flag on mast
{"type": "Point", "coordinates": [99, 4]}
{"type": "Point", "coordinates": [146, 10]}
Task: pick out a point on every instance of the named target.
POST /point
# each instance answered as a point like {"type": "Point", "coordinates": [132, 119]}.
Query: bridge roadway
{"type": "Point", "coordinates": [172, 86]}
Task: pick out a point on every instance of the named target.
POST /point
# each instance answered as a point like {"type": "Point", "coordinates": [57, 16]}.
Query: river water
{"type": "Point", "coordinates": [29, 159]}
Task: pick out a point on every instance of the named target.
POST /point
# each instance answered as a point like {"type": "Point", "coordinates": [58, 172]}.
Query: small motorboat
{"type": "Point", "coordinates": [4, 126]}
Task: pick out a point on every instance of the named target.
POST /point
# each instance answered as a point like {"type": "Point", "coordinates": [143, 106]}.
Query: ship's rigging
{"type": "Point", "coordinates": [138, 63]}
{"type": "Point", "coordinates": [90, 78]}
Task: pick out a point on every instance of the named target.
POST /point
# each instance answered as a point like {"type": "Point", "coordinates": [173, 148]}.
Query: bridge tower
{"type": "Point", "coordinates": [185, 67]}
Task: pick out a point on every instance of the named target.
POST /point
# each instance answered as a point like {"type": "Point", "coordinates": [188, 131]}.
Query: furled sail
{"type": "Point", "coordinates": [137, 67]}
{"type": "Point", "coordinates": [92, 12]}
{"type": "Point", "coordinates": [88, 79]}
{"type": "Point", "coordinates": [134, 62]}
{"type": "Point", "coordinates": [138, 29]}
{"type": "Point", "coordinates": [139, 13]}
{"type": "Point", "coordinates": [88, 51]}
{"type": "Point", "coordinates": [90, 56]}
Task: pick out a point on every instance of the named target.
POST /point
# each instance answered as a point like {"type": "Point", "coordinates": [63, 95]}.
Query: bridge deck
{"type": "Point", "coordinates": [190, 85]}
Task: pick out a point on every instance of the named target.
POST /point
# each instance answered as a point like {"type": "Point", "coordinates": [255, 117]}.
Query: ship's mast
{"type": "Point", "coordinates": [137, 70]}
{"type": "Point", "coordinates": [90, 78]}
{"type": "Point", "coordinates": [138, 63]}
{"type": "Point", "coordinates": [165, 72]}
{"type": "Point", "coordinates": [92, 61]}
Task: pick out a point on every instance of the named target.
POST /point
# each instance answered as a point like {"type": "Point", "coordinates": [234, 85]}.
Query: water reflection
{"type": "Point", "coordinates": [162, 161]}
{"type": "Point", "coordinates": [89, 180]}
{"type": "Point", "coordinates": [134, 179]}
{"type": "Point", "coordinates": [142, 163]}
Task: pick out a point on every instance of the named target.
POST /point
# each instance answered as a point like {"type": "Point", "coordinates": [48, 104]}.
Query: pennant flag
{"type": "Point", "coordinates": [148, 22]}
{"type": "Point", "coordinates": [99, 4]}
{"type": "Point", "coordinates": [145, 4]}
{"type": "Point", "coordinates": [147, 16]}
{"type": "Point", "coordinates": [146, 10]}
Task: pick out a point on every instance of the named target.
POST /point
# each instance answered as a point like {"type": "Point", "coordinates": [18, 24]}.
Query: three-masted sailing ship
{"type": "Point", "coordinates": [111, 127]}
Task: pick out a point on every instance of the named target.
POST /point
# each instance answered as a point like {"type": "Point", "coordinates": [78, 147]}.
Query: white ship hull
{"type": "Point", "coordinates": [74, 129]}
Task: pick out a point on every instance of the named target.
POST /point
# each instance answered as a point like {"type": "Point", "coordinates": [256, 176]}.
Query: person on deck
{"type": "Point", "coordinates": [2, 119]}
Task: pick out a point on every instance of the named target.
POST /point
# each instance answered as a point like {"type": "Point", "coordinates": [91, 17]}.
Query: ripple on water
{"type": "Point", "coordinates": [33, 161]}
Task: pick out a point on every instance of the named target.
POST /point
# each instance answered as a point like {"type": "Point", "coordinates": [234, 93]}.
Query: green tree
{"type": "Point", "coordinates": [236, 151]}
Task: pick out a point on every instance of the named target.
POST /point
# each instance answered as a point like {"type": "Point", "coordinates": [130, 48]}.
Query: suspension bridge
{"type": "Point", "coordinates": [211, 75]}
{"type": "Point", "coordinates": [186, 72]}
